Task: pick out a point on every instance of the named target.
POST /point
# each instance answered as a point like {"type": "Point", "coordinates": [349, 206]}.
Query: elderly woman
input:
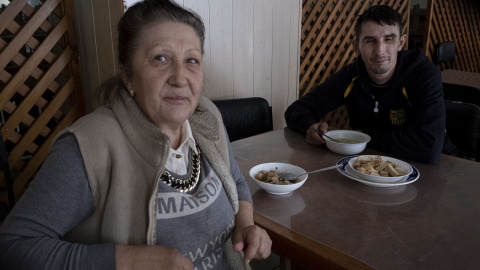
{"type": "Point", "coordinates": [147, 181]}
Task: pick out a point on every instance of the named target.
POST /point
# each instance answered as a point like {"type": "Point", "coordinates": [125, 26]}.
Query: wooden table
{"type": "Point", "coordinates": [335, 222]}
{"type": "Point", "coordinates": [461, 77]}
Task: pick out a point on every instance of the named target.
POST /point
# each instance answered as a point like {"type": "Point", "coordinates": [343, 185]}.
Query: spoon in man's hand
{"type": "Point", "coordinates": [321, 133]}
{"type": "Point", "coordinates": [292, 176]}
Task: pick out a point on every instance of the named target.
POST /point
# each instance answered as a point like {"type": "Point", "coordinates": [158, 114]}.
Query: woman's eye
{"type": "Point", "coordinates": [160, 58]}
{"type": "Point", "coordinates": [192, 61]}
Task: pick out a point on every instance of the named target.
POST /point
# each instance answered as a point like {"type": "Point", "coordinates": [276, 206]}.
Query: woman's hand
{"type": "Point", "coordinates": [247, 236]}
{"type": "Point", "coordinates": [313, 137]}
{"type": "Point", "coordinates": [150, 257]}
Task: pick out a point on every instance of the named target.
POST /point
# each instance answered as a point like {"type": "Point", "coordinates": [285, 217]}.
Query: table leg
{"type": "Point", "coordinates": [285, 264]}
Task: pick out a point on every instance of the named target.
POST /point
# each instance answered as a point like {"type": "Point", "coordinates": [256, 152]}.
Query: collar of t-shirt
{"type": "Point", "coordinates": [178, 159]}
{"type": "Point", "coordinates": [379, 90]}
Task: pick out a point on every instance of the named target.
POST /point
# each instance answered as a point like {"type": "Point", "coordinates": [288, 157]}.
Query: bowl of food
{"type": "Point", "coordinates": [347, 142]}
{"type": "Point", "coordinates": [265, 175]}
{"type": "Point", "coordinates": [380, 169]}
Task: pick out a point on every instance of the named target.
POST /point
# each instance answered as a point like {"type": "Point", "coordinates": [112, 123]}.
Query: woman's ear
{"type": "Point", "coordinates": [126, 81]}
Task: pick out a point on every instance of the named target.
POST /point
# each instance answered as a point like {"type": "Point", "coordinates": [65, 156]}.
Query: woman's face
{"type": "Point", "coordinates": [167, 73]}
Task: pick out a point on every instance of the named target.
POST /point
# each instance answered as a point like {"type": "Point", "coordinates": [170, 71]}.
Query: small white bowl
{"type": "Point", "coordinates": [346, 148]}
{"type": "Point", "coordinates": [382, 179]}
{"type": "Point", "coordinates": [280, 167]}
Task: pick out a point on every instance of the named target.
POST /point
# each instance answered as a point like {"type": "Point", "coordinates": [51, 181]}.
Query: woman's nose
{"type": "Point", "coordinates": [178, 75]}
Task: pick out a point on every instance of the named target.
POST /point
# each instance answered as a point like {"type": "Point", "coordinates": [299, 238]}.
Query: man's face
{"type": "Point", "coordinates": [378, 45]}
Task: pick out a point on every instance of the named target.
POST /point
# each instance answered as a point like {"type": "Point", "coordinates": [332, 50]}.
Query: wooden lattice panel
{"type": "Point", "coordinates": [327, 34]}
{"type": "Point", "coordinates": [459, 21]}
{"type": "Point", "coordinates": [40, 91]}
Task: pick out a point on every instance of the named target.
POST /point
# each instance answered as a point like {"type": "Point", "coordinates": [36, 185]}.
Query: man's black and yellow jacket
{"type": "Point", "coordinates": [408, 120]}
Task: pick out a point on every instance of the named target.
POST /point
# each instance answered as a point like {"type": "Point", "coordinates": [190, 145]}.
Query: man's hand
{"type": "Point", "coordinates": [313, 137]}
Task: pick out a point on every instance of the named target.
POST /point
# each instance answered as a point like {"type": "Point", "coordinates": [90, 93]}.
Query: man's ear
{"type": "Point", "coordinates": [355, 47]}
{"type": "Point", "coordinates": [402, 42]}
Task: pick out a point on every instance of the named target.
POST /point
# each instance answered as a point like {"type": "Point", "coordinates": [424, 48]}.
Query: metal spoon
{"type": "Point", "coordinates": [323, 134]}
{"type": "Point", "coordinates": [292, 176]}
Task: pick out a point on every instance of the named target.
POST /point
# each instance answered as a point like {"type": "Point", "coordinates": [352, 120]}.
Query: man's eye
{"type": "Point", "coordinates": [192, 61]}
{"type": "Point", "coordinates": [160, 58]}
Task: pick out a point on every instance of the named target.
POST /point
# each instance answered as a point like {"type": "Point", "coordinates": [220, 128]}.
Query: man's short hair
{"type": "Point", "coordinates": [379, 14]}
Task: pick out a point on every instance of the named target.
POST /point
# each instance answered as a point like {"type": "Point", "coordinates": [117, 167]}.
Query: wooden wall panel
{"type": "Point", "coordinates": [281, 65]}
{"type": "Point", "coordinates": [294, 53]}
{"type": "Point", "coordinates": [97, 31]}
{"type": "Point", "coordinates": [455, 20]}
{"type": "Point", "coordinates": [219, 32]}
{"type": "Point", "coordinates": [40, 88]}
{"type": "Point", "coordinates": [243, 48]}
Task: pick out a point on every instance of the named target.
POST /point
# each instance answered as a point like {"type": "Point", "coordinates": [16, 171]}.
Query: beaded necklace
{"type": "Point", "coordinates": [185, 185]}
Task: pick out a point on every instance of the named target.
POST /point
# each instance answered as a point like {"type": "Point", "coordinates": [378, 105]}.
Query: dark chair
{"type": "Point", "coordinates": [462, 104]}
{"type": "Point", "coordinates": [463, 128]}
{"type": "Point", "coordinates": [444, 53]}
{"type": "Point", "coordinates": [5, 167]}
{"type": "Point", "coordinates": [245, 117]}
{"type": "Point", "coordinates": [463, 93]}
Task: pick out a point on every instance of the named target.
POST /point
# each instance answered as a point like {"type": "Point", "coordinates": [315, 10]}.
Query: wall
{"type": "Point", "coordinates": [458, 21]}
{"type": "Point", "coordinates": [251, 48]}
{"type": "Point", "coordinates": [96, 30]}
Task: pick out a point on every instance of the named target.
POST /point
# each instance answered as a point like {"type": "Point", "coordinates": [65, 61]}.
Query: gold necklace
{"type": "Point", "coordinates": [185, 185]}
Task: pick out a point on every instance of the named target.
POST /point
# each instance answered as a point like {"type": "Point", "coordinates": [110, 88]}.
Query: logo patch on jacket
{"type": "Point", "coordinates": [397, 118]}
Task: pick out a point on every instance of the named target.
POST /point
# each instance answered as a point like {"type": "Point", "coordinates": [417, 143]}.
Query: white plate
{"type": "Point", "coordinates": [348, 172]}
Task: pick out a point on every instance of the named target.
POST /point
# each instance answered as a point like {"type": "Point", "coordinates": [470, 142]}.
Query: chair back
{"type": "Point", "coordinates": [5, 167]}
{"type": "Point", "coordinates": [463, 128]}
{"type": "Point", "coordinates": [444, 53]}
{"type": "Point", "coordinates": [462, 105]}
{"type": "Point", "coordinates": [460, 92]}
{"type": "Point", "coordinates": [245, 117]}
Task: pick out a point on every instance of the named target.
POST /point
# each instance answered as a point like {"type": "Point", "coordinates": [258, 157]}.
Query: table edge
{"type": "Point", "coordinates": [304, 251]}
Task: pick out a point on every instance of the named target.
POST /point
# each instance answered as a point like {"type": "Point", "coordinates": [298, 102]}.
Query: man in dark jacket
{"type": "Point", "coordinates": [395, 96]}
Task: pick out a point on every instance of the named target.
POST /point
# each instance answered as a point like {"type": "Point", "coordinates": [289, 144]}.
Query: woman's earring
{"type": "Point", "coordinates": [131, 92]}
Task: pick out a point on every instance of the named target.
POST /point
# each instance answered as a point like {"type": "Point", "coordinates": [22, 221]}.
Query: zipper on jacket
{"type": "Point", "coordinates": [151, 212]}
{"type": "Point", "coordinates": [151, 229]}
{"type": "Point", "coordinates": [375, 109]}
